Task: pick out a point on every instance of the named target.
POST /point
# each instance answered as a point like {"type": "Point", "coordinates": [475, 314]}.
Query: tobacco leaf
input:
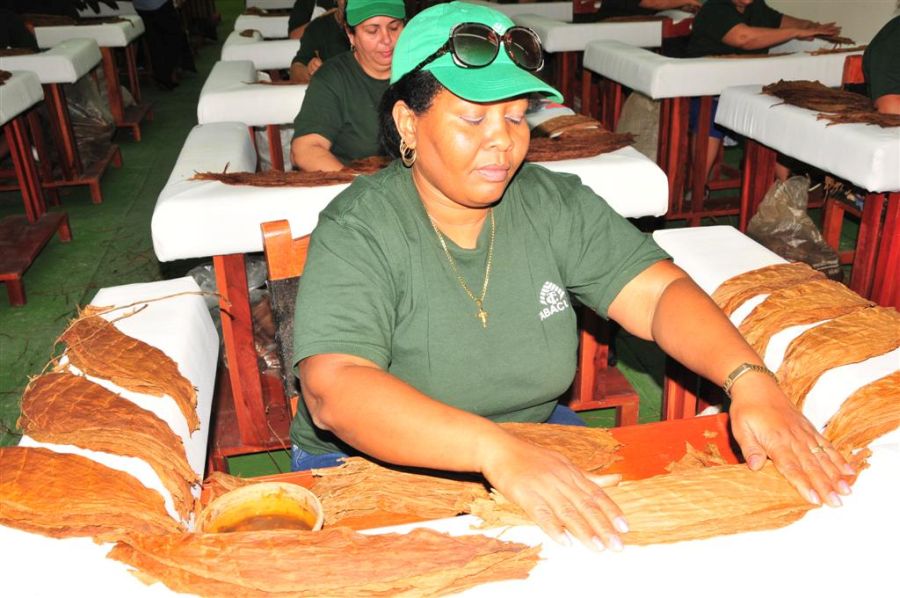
{"type": "Point", "coordinates": [870, 412]}
{"type": "Point", "coordinates": [696, 459]}
{"type": "Point", "coordinates": [850, 338]}
{"type": "Point", "coordinates": [732, 293]}
{"type": "Point", "coordinates": [576, 143]}
{"type": "Point", "coordinates": [98, 348]}
{"type": "Point", "coordinates": [361, 487]}
{"type": "Point", "coordinates": [687, 505]}
{"type": "Point", "coordinates": [812, 95]}
{"type": "Point", "coordinates": [861, 118]}
{"type": "Point", "coordinates": [63, 495]}
{"type": "Point", "coordinates": [62, 408]}
{"type": "Point", "coordinates": [296, 178]}
{"type": "Point", "coordinates": [839, 50]}
{"type": "Point", "coordinates": [331, 562]}
{"type": "Point", "coordinates": [803, 303]}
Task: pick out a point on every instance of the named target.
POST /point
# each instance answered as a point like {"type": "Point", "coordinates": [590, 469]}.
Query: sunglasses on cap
{"type": "Point", "coordinates": [476, 45]}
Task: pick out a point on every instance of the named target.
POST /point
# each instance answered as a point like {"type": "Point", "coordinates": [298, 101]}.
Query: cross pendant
{"type": "Point", "coordinates": [482, 315]}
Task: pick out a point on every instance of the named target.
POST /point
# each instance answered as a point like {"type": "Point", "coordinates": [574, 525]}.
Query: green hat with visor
{"type": "Point", "coordinates": [425, 33]}
{"type": "Point", "coordinates": [360, 10]}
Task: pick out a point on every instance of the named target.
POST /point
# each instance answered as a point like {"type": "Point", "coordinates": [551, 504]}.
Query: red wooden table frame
{"type": "Point", "coordinates": [131, 117]}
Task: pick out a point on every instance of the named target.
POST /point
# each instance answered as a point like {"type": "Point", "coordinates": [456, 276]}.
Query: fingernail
{"type": "Point", "coordinates": [615, 543]}
{"type": "Point", "coordinates": [833, 500]}
{"type": "Point", "coordinates": [620, 524]}
{"type": "Point", "coordinates": [843, 487]}
{"type": "Point", "coordinates": [754, 461]}
{"type": "Point", "coordinates": [563, 539]}
{"type": "Point", "coordinates": [814, 497]}
{"type": "Point", "coordinates": [598, 545]}
{"type": "Point", "coordinates": [848, 470]}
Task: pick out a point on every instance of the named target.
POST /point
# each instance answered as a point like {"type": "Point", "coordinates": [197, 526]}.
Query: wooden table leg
{"type": "Point", "coordinates": [134, 83]}
{"type": "Point", "coordinates": [698, 160]}
{"type": "Point", "coordinates": [867, 245]}
{"type": "Point", "coordinates": [673, 150]}
{"type": "Point", "coordinates": [276, 153]}
{"type": "Point", "coordinates": [886, 286]}
{"type": "Point", "coordinates": [679, 391]}
{"type": "Point", "coordinates": [237, 332]}
{"type": "Point", "coordinates": [26, 169]}
{"type": "Point", "coordinates": [611, 99]}
{"type": "Point", "coordinates": [564, 69]}
{"type": "Point", "coordinates": [59, 111]}
{"type": "Point", "coordinates": [111, 74]}
{"type": "Point", "coordinates": [756, 178]}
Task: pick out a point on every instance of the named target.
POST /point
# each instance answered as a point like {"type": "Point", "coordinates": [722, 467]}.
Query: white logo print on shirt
{"type": "Point", "coordinates": [554, 298]}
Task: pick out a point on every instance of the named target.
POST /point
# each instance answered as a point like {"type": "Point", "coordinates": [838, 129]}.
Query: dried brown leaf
{"type": "Point", "coordinates": [738, 289]}
{"type": "Point", "coordinates": [870, 412]}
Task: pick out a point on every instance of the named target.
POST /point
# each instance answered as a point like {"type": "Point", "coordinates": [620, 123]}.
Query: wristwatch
{"type": "Point", "coordinates": [740, 371]}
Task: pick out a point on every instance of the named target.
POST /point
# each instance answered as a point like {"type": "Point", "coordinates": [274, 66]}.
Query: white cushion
{"type": "Point", "coordinates": [19, 93]}
{"type": "Point", "coordinates": [558, 36]}
{"type": "Point", "coordinates": [274, 27]}
{"type": "Point", "coordinates": [265, 55]}
{"type": "Point", "coordinates": [560, 11]}
{"type": "Point", "coordinates": [866, 155]}
{"type": "Point", "coordinates": [65, 63]}
{"type": "Point", "coordinates": [124, 8]}
{"type": "Point", "coordinates": [662, 77]}
{"type": "Point", "coordinates": [229, 95]}
{"type": "Point", "coordinates": [107, 35]}
{"type": "Point", "coordinates": [270, 4]}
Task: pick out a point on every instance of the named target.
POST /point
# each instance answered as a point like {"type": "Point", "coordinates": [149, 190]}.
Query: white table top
{"type": "Point", "coordinates": [125, 8]}
{"type": "Point", "coordinates": [65, 63]}
{"type": "Point", "coordinates": [560, 36]}
{"type": "Point", "coordinates": [19, 93]}
{"type": "Point", "coordinates": [561, 11]}
{"type": "Point", "coordinates": [264, 54]}
{"type": "Point", "coordinates": [865, 155]}
{"type": "Point", "coordinates": [270, 4]}
{"type": "Point", "coordinates": [228, 95]}
{"type": "Point", "coordinates": [182, 227]}
{"type": "Point", "coordinates": [271, 27]}
{"type": "Point", "coordinates": [663, 77]}
{"type": "Point", "coordinates": [107, 35]}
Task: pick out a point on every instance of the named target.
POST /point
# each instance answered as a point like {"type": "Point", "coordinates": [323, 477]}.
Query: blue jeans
{"type": "Point", "coordinates": [301, 460]}
{"type": "Point", "coordinates": [714, 130]}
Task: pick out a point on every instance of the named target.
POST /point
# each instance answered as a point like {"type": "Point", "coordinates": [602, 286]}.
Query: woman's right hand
{"type": "Point", "coordinates": [313, 65]}
{"type": "Point", "coordinates": [554, 493]}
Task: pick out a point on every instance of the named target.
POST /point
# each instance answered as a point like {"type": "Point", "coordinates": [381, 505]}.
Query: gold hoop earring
{"type": "Point", "coordinates": [407, 154]}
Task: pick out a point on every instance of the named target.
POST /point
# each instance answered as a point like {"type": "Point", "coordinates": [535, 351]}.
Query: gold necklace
{"type": "Point", "coordinates": [479, 301]}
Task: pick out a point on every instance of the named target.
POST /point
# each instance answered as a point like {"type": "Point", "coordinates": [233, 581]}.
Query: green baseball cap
{"type": "Point", "coordinates": [425, 33]}
{"type": "Point", "coordinates": [360, 10]}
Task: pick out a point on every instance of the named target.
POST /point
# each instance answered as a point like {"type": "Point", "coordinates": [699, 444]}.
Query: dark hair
{"type": "Point", "coordinates": [417, 89]}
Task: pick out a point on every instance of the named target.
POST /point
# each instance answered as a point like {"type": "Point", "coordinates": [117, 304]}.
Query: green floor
{"type": "Point", "coordinates": [112, 246]}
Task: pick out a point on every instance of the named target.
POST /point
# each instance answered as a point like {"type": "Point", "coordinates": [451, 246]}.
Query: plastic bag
{"type": "Point", "coordinates": [92, 122]}
{"type": "Point", "coordinates": [640, 117]}
{"type": "Point", "coordinates": [262, 147]}
{"type": "Point", "coordinates": [782, 225]}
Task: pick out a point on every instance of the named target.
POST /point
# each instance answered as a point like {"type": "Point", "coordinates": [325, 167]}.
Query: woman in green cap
{"type": "Point", "coordinates": [338, 121]}
{"type": "Point", "coordinates": [437, 295]}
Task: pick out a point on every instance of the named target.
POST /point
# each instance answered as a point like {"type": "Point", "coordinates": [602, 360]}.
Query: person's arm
{"type": "Point", "coordinates": [384, 417]}
{"type": "Point", "coordinates": [888, 104]}
{"type": "Point", "coordinates": [313, 153]}
{"type": "Point", "coordinates": [664, 304]}
{"type": "Point", "coordinates": [746, 37]}
{"type": "Point", "coordinates": [789, 22]}
{"type": "Point", "coordinates": [689, 5]}
{"type": "Point", "coordinates": [299, 73]}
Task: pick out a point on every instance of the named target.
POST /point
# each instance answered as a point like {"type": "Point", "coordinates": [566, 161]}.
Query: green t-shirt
{"type": "Point", "coordinates": [717, 17]}
{"type": "Point", "coordinates": [324, 36]}
{"type": "Point", "coordinates": [302, 11]}
{"type": "Point", "coordinates": [881, 61]}
{"type": "Point", "coordinates": [341, 105]}
{"type": "Point", "coordinates": [378, 285]}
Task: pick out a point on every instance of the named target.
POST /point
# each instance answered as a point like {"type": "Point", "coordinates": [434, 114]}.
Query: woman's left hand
{"type": "Point", "coordinates": [766, 424]}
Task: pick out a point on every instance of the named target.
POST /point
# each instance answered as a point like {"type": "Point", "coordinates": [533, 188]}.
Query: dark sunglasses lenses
{"type": "Point", "coordinates": [476, 45]}
{"type": "Point", "coordinates": [524, 48]}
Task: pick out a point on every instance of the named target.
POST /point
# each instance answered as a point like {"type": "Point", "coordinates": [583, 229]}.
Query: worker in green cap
{"type": "Point", "coordinates": [437, 295]}
{"type": "Point", "coordinates": [338, 121]}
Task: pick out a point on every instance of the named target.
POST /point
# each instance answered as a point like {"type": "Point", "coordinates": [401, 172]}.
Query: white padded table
{"type": "Point", "coordinates": [19, 93]}
{"type": "Point", "coordinates": [64, 63]}
{"type": "Point", "coordinates": [867, 156]}
{"type": "Point", "coordinates": [560, 11]}
{"type": "Point", "coordinates": [107, 35]}
{"type": "Point", "coordinates": [663, 77]}
{"type": "Point", "coordinates": [560, 36]}
{"type": "Point", "coordinates": [228, 95]}
{"type": "Point", "coordinates": [712, 255]}
{"type": "Point", "coordinates": [264, 54]}
{"type": "Point", "coordinates": [270, 4]}
{"type": "Point", "coordinates": [271, 27]}
{"type": "Point", "coordinates": [124, 8]}
{"type": "Point", "coordinates": [182, 328]}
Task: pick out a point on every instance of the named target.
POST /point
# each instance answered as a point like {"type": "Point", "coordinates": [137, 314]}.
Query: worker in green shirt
{"type": "Point", "coordinates": [743, 27]}
{"type": "Point", "coordinates": [304, 12]}
{"type": "Point", "coordinates": [324, 38]}
{"type": "Point", "coordinates": [338, 121]}
{"type": "Point", "coordinates": [881, 66]}
{"type": "Point", "coordinates": [437, 295]}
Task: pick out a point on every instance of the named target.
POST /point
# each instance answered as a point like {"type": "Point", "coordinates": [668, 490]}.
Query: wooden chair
{"type": "Point", "coordinates": [285, 258]}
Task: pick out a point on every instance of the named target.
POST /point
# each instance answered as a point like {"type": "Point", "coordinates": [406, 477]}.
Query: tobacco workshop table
{"type": "Point", "coordinates": [712, 255]}
{"type": "Point", "coordinates": [110, 36]}
{"type": "Point", "coordinates": [270, 26]}
{"type": "Point", "coordinates": [231, 94]}
{"type": "Point", "coordinates": [123, 8]}
{"type": "Point", "coordinates": [183, 227]}
{"type": "Point", "coordinates": [675, 81]}
{"type": "Point", "coordinates": [266, 55]}
{"type": "Point", "coordinates": [867, 156]}
{"type": "Point", "coordinates": [560, 11]}
{"type": "Point", "coordinates": [66, 62]}
{"type": "Point", "coordinates": [270, 4]}
{"type": "Point", "coordinates": [23, 236]}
